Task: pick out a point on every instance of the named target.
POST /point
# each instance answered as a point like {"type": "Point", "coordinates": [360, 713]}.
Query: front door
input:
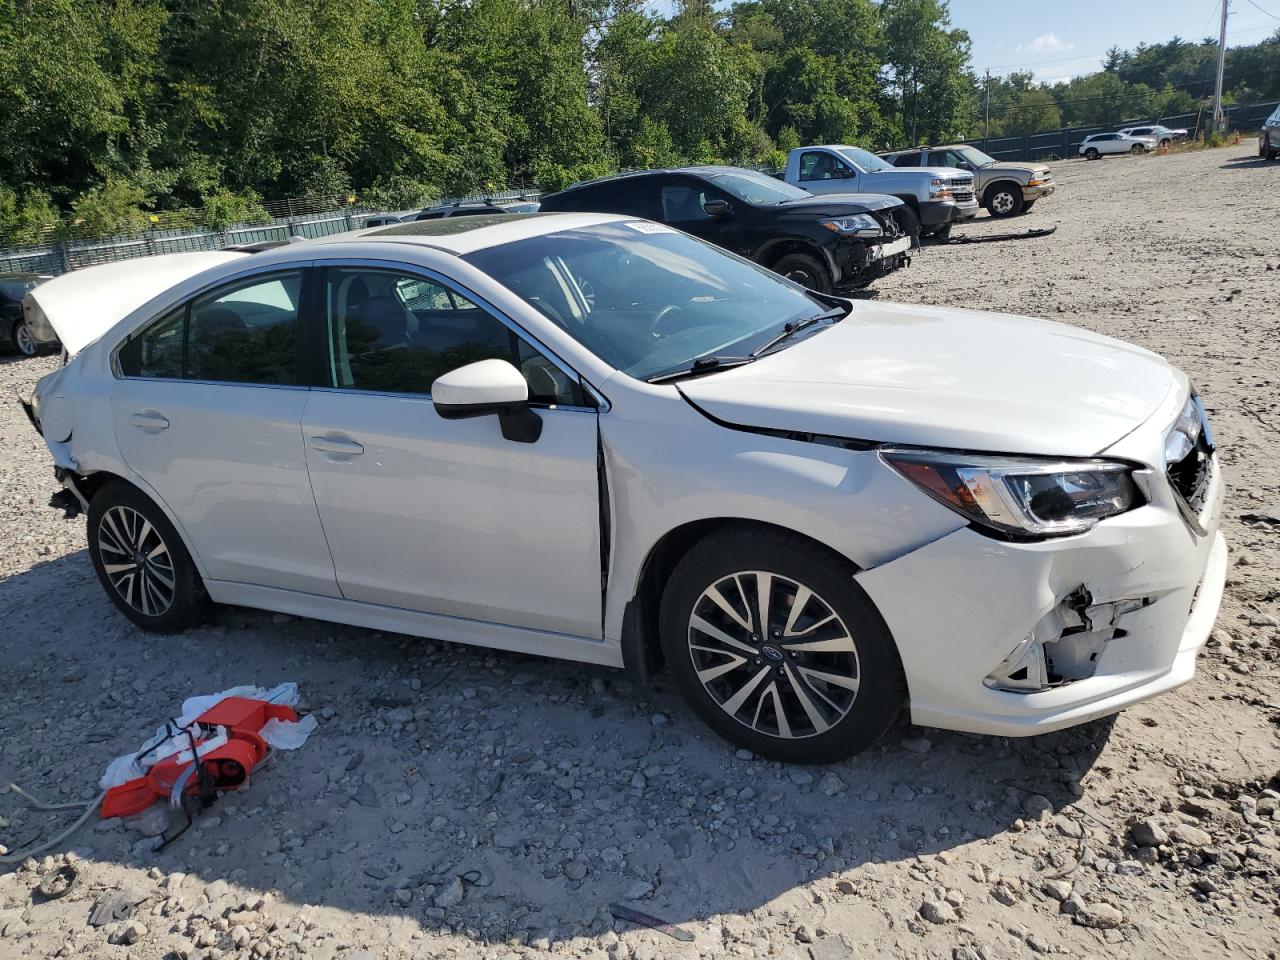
{"type": "Point", "coordinates": [447, 516]}
{"type": "Point", "coordinates": [209, 414]}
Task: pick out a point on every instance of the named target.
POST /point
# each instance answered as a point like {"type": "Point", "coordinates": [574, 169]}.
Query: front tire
{"type": "Point", "coordinates": [804, 270]}
{"type": "Point", "coordinates": [141, 561]}
{"type": "Point", "coordinates": [1092, 154]}
{"type": "Point", "coordinates": [1004, 200]}
{"type": "Point", "coordinates": [23, 340]}
{"type": "Point", "coordinates": [942, 234]}
{"type": "Point", "coordinates": [1137, 148]}
{"type": "Point", "coordinates": [777, 649]}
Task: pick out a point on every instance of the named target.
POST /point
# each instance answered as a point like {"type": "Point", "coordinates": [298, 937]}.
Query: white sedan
{"type": "Point", "coordinates": [597, 438]}
{"type": "Point", "coordinates": [1100, 144]}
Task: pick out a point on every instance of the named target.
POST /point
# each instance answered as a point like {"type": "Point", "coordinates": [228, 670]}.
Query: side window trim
{"type": "Point", "coordinates": [450, 286]}
{"type": "Point", "coordinates": [184, 302]}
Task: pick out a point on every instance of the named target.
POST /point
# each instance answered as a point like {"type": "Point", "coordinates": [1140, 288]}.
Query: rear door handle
{"type": "Point", "coordinates": [337, 445]}
{"type": "Point", "coordinates": [150, 421]}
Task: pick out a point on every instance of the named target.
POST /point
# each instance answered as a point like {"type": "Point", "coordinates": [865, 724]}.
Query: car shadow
{"type": "Point", "coordinates": [509, 795]}
{"type": "Point", "coordinates": [1248, 162]}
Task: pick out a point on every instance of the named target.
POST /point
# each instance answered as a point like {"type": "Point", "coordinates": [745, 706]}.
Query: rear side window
{"type": "Point", "coordinates": [246, 332]}
{"type": "Point", "coordinates": [907, 160]}
{"type": "Point", "coordinates": [629, 196]}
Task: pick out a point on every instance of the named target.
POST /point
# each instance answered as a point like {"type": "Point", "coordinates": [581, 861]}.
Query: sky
{"type": "Point", "coordinates": [1059, 40]}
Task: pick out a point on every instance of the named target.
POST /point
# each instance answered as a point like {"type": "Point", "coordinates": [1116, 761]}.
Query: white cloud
{"type": "Point", "coordinates": [1046, 43]}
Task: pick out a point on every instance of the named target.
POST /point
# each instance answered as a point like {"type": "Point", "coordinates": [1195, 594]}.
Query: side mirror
{"type": "Point", "coordinates": [485, 388]}
{"type": "Point", "coordinates": [717, 208]}
{"type": "Point", "coordinates": [844, 173]}
{"type": "Point", "coordinates": [964, 165]}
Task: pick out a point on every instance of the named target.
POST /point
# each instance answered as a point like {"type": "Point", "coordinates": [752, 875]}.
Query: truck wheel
{"type": "Point", "coordinates": [1004, 199]}
{"type": "Point", "coordinates": [942, 234]}
{"type": "Point", "coordinates": [776, 647]}
{"type": "Point", "coordinates": [1092, 154]}
{"type": "Point", "coordinates": [804, 270]}
{"type": "Point", "coordinates": [910, 224]}
{"type": "Point", "coordinates": [141, 561]}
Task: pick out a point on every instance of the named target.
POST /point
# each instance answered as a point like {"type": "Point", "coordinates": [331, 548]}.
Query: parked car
{"type": "Point", "coordinates": [1162, 135]}
{"type": "Point", "coordinates": [1269, 138]}
{"type": "Point", "coordinates": [938, 197]}
{"type": "Point", "coordinates": [477, 208]}
{"type": "Point", "coordinates": [1101, 144]}
{"type": "Point", "coordinates": [1004, 189]}
{"type": "Point", "coordinates": [598, 438]}
{"type": "Point", "coordinates": [389, 218]}
{"type": "Point", "coordinates": [14, 333]}
{"type": "Point", "coordinates": [823, 243]}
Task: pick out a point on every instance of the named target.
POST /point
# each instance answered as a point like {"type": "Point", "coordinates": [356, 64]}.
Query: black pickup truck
{"type": "Point", "coordinates": [829, 244]}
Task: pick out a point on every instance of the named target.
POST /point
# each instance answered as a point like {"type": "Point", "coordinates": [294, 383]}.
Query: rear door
{"type": "Point", "coordinates": [208, 414]}
{"type": "Point", "coordinates": [448, 516]}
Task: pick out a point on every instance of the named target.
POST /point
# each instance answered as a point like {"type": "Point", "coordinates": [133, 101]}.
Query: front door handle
{"type": "Point", "coordinates": [337, 445]}
{"type": "Point", "coordinates": [150, 421]}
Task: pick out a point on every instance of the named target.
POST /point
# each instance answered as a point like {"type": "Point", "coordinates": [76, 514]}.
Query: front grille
{"type": "Point", "coordinates": [962, 196]}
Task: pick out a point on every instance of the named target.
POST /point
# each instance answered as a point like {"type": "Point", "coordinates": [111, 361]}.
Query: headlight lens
{"type": "Point", "coordinates": [858, 225]}
{"type": "Point", "coordinates": [939, 187]}
{"type": "Point", "coordinates": [1029, 497]}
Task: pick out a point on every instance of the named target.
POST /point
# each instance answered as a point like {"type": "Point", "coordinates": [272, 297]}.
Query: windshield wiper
{"type": "Point", "coordinates": [792, 327]}
{"type": "Point", "coordinates": [700, 366]}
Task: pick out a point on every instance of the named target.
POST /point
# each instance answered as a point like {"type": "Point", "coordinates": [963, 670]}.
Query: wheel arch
{"type": "Point", "coordinates": [995, 184]}
{"type": "Point", "coordinates": [641, 649]}
{"type": "Point", "coordinates": [774, 250]}
{"type": "Point", "coordinates": [92, 483]}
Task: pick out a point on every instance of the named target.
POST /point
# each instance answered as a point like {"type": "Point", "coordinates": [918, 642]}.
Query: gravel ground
{"type": "Point", "coordinates": [456, 802]}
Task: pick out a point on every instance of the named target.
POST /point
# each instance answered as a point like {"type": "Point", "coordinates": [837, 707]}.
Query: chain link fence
{"type": "Point", "coordinates": [1064, 143]}
{"type": "Point", "coordinates": [181, 231]}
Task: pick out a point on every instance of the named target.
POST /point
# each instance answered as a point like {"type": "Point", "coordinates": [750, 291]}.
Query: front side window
{"type": "Point", "coordinates": [645, 298]}
{"type": "Point", "coordinates": [821, 165]}
{"type": "Point", "coordinates": [682, 203]}
{"type": "Point", "coordinates": [246, 332]}
{"type": "Point", "coordinates": [396, 333]}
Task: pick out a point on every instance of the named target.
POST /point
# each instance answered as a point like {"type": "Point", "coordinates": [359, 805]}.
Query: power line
{"type": "Point", "coordinates": [1260, 10]}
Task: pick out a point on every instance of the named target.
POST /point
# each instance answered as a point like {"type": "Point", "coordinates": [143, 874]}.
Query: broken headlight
{"type": "Point", "coordinates": [1022, 497]}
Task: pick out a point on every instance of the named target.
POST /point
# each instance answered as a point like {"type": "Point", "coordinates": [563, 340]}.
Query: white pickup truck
{"type": "Point", "coordinates": [937, 196]}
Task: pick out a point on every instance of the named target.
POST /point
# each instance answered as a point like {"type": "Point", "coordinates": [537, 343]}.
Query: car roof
{"type": "Point", "coordinates": [463, 235]}
{"type": "Point", "coordinates": [705, 170]}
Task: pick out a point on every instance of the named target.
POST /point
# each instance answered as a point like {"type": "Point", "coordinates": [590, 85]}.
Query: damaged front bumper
{"type": "Point", "coordinates": [1017, 639]}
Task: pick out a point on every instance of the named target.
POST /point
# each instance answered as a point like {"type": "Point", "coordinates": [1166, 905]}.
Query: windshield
{"type": "Point", "coordinates": [645, 298]}
{"type": "Point", "coordinates": [756, 188]}
{"type": "Point", "coordinates": [975, 156]}
{"type": "Point", "coordinates": [867, 161]}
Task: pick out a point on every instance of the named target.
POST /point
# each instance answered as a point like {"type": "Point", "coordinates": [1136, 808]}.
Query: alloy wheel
{"type": "Point", "coordinates": [136, 561]}
{"type": "Point", "coordinates": [25, 342]}
{"type": "Point", "coordinates": [773, 654]}
{"type": "Point", "coordinates": [801, 276]}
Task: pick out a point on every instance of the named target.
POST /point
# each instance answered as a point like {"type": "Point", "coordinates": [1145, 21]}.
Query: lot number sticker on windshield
{"type": "Point", "coordinates": [645, 227]}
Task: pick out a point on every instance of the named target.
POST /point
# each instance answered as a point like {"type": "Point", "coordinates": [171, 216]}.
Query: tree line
{"type": "Point", "coordinates": [113, 111]}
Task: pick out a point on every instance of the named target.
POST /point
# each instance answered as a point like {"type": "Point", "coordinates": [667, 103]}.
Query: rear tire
{"type": "Point", "coordinates": [1004, 199]}
{"type": "Point", "coordinates": [23, 341]}
{"type": "Point", "coordinates": [804, 270]}
{"type": "Point", "coordinates": [141, 561]}
{"type": "Point", "coordinates": [768, 694]}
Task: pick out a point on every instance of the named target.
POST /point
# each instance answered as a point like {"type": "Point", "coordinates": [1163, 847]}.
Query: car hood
{"type": "Point", "coordinates": [839, 204]}
{"type": "Point", "coordinates": [943, 173]}
{"type": "Point", "coordinates": [1028, 169]}
{"type": "Point", "coordinates": [79, 307]}
{"type": "Point", "coordinates": [938, 377]}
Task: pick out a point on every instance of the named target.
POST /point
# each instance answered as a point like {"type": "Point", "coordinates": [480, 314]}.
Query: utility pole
{"type": "Point", "coordinates": [1218, 117]}
{"type": "Point", "coordinates": [986, 123]}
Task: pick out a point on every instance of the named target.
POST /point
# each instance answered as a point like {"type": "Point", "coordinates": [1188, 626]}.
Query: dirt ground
{"type": "Point", "coordinates": [457, 802]}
